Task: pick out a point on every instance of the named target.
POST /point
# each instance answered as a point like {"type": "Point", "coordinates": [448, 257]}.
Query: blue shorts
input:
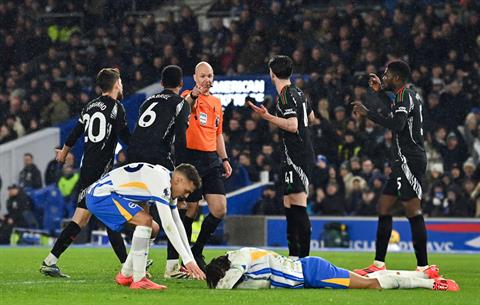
{"type": "Point", "coordinates": [113, 210]}
{"type": "Point", "coordinates": [319, 273]}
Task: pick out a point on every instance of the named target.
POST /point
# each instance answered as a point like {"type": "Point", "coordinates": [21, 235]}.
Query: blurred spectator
{"type": "Point", "coordinates": [269, 204]}
{"type": "Point", "coordinates": [53, 170]}
{"type": "Point", "coordinates": [367, 205]}
{"type": "Point", "coordinates": [29, 177]}
{"type": "Point", "coordinates": [330, 202]}
{"type": "Point", "coordinates": [19, 208]}
{"type": "Point", "coordinates": [67, 183]}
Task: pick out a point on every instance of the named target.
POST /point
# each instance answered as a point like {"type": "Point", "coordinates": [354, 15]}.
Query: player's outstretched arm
{"type": "Point", "coordinates": [395, 123]}
{"type": "Point", "coordinates": [290, 124]}
{"type": "Point", "coordinates": [173, 235]}
{"type": "Point", "coordinates": [181, 231]}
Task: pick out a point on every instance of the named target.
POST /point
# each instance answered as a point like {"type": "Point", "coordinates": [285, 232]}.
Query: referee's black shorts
{"type": "Point", "coordinates": [210, 169]}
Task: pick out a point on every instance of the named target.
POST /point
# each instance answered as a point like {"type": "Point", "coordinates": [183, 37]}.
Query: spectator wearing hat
{"type": "Point", "coordinates": [339, 118]}
{"type": "Point", "coordinates": [320, 172]}
{"type": "Point", "coordinates": [30, 177]}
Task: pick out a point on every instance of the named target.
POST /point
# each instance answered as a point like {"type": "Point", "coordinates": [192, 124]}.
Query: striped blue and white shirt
{"type": "Point", "coordinates": [257, 268]}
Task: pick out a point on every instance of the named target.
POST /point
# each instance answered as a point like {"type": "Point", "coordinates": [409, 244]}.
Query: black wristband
{"type": "Point", "coordinates": [193, 97]}
{"type": "Point", "coordinates": [226, 159]}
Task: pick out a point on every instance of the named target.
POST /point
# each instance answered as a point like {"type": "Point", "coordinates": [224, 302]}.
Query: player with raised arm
{"type": "Point", "coordinates": [113, 200]}
{"type": "Point", "coordinates": [408, 166]}
{"type": "Point", "coordinates": [253, 268]}
{"type": "Point", "coordinates": [293, 114]}
{"type": "Point", "coordinates": [205, 149]}
{"type": "Point", "coordinates": [102, 122]}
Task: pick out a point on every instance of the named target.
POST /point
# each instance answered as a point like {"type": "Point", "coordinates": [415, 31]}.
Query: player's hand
{"type": "Point", "coordinates": [60, 155]}
{"type": "Point", "coordinates": [262, 111]}
{"type": "Point", "coordinates": [374, 82]}
{"type": "Point", "coordinates": [359, 108]}
{"type": "Point", "coordinates": [227, 168]}
{"type": "Point", "coordinates": [195, 271]}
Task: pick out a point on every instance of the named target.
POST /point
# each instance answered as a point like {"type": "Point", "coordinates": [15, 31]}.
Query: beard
{"type": "Point", "coordinates": [120, 95]}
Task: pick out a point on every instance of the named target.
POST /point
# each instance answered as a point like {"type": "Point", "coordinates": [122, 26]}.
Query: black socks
{"type": "Point", "coordinates": [209, 225]}
{"type": "Point", "coordinates": [384, 230]}
{"type": "Point", "coordinates": [66, 238]}
{"type": "Point", "coordinates": [298, 231]}
{"type": "Point", "coordinates": [419, 238]}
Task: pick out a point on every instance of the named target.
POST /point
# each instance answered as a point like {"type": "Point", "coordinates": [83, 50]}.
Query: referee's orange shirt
{"type": "Point", "coordinates": [205, 123]}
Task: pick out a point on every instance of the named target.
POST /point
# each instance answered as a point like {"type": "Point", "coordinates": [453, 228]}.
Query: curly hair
{"type": "Point", "coordinates": [216, 270]}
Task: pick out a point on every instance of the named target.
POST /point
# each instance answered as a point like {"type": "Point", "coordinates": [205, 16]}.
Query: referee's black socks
{"type": "Point", "coordinates": [384, 230]}
{"type": "Point", "coordinates": [419, 238]}
{"type": "Point", "coordinates": [209, 225]}
{"type": "Point", "coordinates": [67, 236]}
{"type": "Point", "coordinates": [303, 227]}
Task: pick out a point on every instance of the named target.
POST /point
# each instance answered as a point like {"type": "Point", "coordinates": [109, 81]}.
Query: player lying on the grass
{"type": "Point", "coordinates": [253, 268]}
{"type": "Point", "coordinates": [113, 200]}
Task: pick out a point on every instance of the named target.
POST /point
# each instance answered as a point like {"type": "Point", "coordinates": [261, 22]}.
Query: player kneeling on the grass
{"type": "Point", "coordinates": [253, 268]}
{"type": "Point", "coordinates": [113, 200]}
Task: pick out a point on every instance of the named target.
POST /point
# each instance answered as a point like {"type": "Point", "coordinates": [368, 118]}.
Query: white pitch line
{"type": "Point", "coordinates": [42, 282]}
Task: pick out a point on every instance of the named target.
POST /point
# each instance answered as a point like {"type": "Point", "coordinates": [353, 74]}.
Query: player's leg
{"type": "Point", "coordinates": [299, 223]}
{"type": "Point", "coordinates": [411, 195]}
{"type": "Point", "coordinates": [80, 219]}
{"type": "Point", "coordinates": [384, 230]}
{"type": "Point", "coordinates": [402, 282]}
{"type": "Point", "coordinates": [414, 214]}
{"type": "Point", "coordinates": [214, 192]}
{"type": "Point", "coordinates": [295, 203]}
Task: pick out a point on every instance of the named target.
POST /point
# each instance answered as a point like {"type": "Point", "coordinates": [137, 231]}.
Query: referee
{"type": "Point", "coordinates": [206, 151]}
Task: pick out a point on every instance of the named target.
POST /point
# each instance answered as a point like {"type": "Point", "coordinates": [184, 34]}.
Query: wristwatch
{"type": "Point", "coordinates": [226, 159]}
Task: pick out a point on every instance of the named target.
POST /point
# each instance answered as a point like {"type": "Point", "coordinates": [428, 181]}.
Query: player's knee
{"type": "Point", "coordinates": [219, 211]}
{"type": "Point", "coordinates": [155, 228]}
{"type": "Point", "coordinates": [145, 220]}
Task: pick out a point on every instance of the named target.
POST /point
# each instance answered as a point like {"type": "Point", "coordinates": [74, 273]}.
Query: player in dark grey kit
{"type": "Point", "coordinates": [163, 121]}
{"type": "Point", "coordinates": [293, 114]}
{"type": "Point", "coordinates": [408, 164]}
{"type": "Point", "coordinates": [102, 122]}
{"type": "Point", "coordinates": [162, 124]}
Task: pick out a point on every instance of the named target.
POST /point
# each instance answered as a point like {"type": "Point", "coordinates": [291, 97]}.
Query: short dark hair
{"type": "Point", "coordinates": [216, 270]}
{"type": "Point", "coordinates": [399, 68]}
{"type": "Point", "coordinates": [172, 76]}
{"type": "Point", "coordinates": [28, 155]}
{"type": "Point", "coordinates": [106, 78]}
{"type": "Point", "coordinates": [281, 66]}
{"type": "Point", "coordinates": [190, 173]}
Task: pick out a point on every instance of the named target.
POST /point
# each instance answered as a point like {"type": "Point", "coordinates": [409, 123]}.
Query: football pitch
{"type": "Point", "coordinates": [92, 271]}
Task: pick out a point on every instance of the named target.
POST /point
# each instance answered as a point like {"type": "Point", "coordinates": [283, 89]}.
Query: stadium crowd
{"type": "Point", "coordinates": [47, 68]}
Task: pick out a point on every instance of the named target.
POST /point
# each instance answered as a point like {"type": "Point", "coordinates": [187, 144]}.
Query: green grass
{"type": "Point", "coordinates": [92, 271]}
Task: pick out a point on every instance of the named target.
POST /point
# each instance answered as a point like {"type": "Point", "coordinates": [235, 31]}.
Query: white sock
{"type": "Point", "coordinates": [127, 268]}
{"type": "Point", "coordinates": [422, 268]}
{"type": "Point", "coordinates": [50, 259]}
{"type": "Point", "coordinates": [379, 264]}
{"type": "Point", "coordinates": [403, 273]}
{"type": "Point", "coordinates": [139, 251]}
{"type": "Point", "coordinates": [293, 257]}
{"type": "Point", "coordinates": [396, 282]}
{"type": "Point", "coordinates": [171, 265]}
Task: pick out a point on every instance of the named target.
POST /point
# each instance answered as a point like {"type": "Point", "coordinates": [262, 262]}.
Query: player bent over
{"type": "Point", "coordinates": [253, 268]}
{"type": "Point", "coordinates": [113, 200]}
